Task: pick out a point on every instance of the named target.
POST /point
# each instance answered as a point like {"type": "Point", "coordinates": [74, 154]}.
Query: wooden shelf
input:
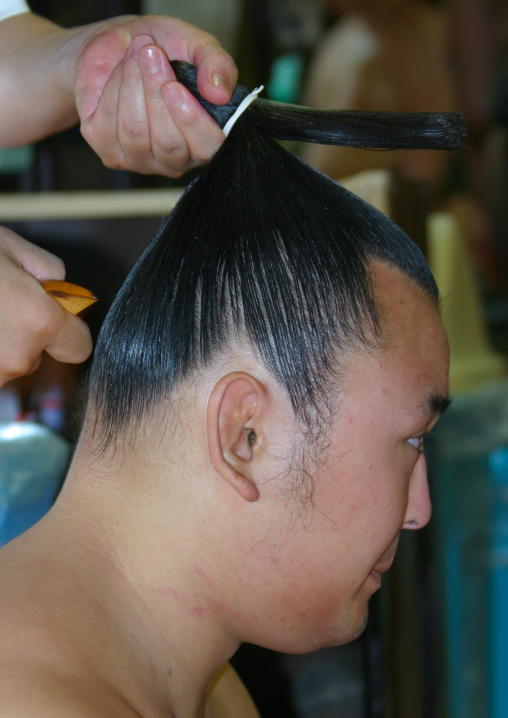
{"type": "Point", "coordinates": [105, 204]}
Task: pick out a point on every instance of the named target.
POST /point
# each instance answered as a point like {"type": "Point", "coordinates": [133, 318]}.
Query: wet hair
{"type": "Point", "coordinates": [260, 248]}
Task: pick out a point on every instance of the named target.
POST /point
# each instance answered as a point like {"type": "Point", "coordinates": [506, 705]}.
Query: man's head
{"type": "Point", "coordinates": [261, 250]}
{"type": "Point", "coordinates": [287, 337]}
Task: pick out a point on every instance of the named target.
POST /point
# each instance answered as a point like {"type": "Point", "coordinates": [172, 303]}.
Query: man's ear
{"type": "Point", "coordinates": [235, 410]}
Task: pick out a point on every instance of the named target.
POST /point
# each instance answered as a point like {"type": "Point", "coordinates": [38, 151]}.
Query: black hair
{"type": "Point", "coordinates": [262, 248]}
{"type": "Point", "coordinates": [356, 128]}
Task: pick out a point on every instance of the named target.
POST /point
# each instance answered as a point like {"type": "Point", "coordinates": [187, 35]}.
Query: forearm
{"type": "Point", "coordinates": [37, 69]}
{"type": "Point", "coordinates": [115, 77]}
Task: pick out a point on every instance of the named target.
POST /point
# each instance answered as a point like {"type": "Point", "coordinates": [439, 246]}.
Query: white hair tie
{"type": "Point", "coordinates": [241, 108]}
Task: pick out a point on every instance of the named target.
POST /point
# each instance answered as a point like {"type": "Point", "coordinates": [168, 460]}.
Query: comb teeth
{"type": "Point", "coordinates": [71, 297]}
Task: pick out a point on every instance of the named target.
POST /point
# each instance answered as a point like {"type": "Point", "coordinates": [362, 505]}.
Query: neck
{"type": "Point", "coordinates": [137, 574]}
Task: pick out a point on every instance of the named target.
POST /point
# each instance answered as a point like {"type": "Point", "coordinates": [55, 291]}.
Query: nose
{"type": "Point", "coordinates": [419, 507]}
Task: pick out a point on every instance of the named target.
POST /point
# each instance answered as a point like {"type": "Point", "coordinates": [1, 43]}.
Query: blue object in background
{"type": "Point", "coordinates": [16, 159]}
{"type": "Point", "coordinates": [498, 585]}
{"type": "Point", "coordinates": [468, 472]}
{"type": "Point", "coordinates": [33, 462]}
{"type": "Point", "coordinates": [286, 78]}
{"type": "Point", "coordinates": [462, 501]}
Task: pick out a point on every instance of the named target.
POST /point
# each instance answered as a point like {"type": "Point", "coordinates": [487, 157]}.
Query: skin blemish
{"type": "Point", "coordinates": [170, 672]}
{"type": "Point", "coordinates": [217, 606]}
{"type": "Point", "coordinates": [203, 575]}
{"type": "Point", "coordinates": [197, 610]}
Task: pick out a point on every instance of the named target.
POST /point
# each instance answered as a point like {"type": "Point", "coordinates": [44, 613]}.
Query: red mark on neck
{"type": "Point", "coordinates": [203, 575]}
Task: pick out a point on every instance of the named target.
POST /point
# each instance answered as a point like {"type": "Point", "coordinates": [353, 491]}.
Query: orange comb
{"type": "Point", "coordinates": [72, 298]}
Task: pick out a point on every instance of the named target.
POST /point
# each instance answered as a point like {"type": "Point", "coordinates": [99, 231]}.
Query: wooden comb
{"type": "Point", "coordinates": [72, 298]}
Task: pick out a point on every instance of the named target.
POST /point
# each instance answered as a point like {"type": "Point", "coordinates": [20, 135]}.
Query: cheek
{"type": "Point", "coordinates": [366, 498]}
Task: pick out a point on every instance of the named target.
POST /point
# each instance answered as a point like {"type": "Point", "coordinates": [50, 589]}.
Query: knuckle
{"type": "Point", "coordinates": [113, 158]}
{"type": "Point", "coordinates": [19, 357]}
{"type": "Point", "coordinates": [18, 364]}
{"type": "Point", "coordinates": [204, 146]}
{"type": "Point", "coordinates": [171, 171]}
{"type": "Point", "coordinates": [59, 265]}
{"type": "Point", "coordinates": [100, 132]}
{"type": "Point", "coordinates": [113, 162]}
{"type": "Point", "coordinates": [202, 155]}
{"type": "Point", "coordinates": [85, 349]}
{"type": "Point", "coordinates": [10, 239]}
{"type": "Point", "coordinates": [45, 325]}
{"type": "Point", "coordinates": [110, 155]}
{"type": "Point", "coordinates": [172, 147]}
{"type": "Point", "coordinates": [86, 132]}
{"type": "Point", "coordinates": [75, 343]}
{"type": "Point", "coordinates": [134, 130]}
{"type": "Point", "coordinates": [190, 116]}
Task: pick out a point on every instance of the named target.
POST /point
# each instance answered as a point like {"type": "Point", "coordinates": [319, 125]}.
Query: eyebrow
{"type": "Point", "coordinates": [435, 403]}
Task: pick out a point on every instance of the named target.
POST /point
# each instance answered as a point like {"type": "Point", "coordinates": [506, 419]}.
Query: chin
{"type": "Point", "coordinates": [328, 627]}
{"type": "Point", "coordinates": [354, 630]}
{"type": "Point", "coordinates": [313, 640]}
{"type": "Point", "coordinates": [351, 624]}
{"type": "Point", "coordinates": [347, 629]}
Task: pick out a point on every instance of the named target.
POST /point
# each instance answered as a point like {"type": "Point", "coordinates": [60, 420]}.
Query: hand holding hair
{"type": "Point", "coordinates": [134, 113]}
{"type": "Point", "coordinates": [115, 77]}
{"type": "Point", "coordinates": [352, 128]}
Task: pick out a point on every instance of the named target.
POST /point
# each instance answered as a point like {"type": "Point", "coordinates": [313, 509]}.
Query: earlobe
{"type": "Point", "coordinates": [233, 413]}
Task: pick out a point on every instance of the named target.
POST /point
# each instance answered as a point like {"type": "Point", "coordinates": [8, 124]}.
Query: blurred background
{"type": "Point", "coordinates": [437, 642]}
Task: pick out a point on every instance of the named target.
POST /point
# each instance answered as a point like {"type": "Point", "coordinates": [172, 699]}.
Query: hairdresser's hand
{"type": "Point", "coordinates": [30, 320]}
{"type": "Point", "coordinates": [133, 112]}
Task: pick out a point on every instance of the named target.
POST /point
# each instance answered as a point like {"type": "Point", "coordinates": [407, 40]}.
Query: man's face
{"type": "Point", "coordinates": [372, 481]}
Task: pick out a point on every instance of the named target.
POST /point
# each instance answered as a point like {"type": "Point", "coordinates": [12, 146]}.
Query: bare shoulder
{"type": "Point", "coordinates": [228, 697]}
{"type": "Point", "coordinates": [30, 691]}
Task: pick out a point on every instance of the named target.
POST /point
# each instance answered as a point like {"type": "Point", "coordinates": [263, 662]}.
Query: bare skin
{"type": "Point", "coordinates": [114, 77]}
{"type": "Point", "coordinates": [157, 562]}
{"type": "Point", "coordinates": [30, 320]}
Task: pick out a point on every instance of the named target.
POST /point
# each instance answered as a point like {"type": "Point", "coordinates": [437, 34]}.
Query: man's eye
{"type": "Point", "coordinates": [417, 442]}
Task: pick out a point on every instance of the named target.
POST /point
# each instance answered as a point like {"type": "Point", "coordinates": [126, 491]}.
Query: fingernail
{"type": "Point", "coordinates": [220, 82]}
{"type": "Point", "coordinates": [150, 59]}
{"type": "Point", "coordinates": [139, 42]}
{"type": "Point", "coordinates": [173, 93]}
